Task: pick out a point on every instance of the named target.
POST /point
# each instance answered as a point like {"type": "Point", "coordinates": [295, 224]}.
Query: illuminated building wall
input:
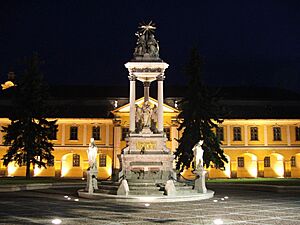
{"type": "Point", "coordinates": [251, 145]}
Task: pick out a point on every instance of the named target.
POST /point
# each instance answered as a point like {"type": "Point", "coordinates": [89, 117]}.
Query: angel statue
{"type": "Point", "coordinates": [140, 48]}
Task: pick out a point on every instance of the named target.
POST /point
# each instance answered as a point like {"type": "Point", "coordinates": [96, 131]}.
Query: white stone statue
{"type": "Point", "coordinates": [198, 154]}
{"type": "Point", "coordinates": [138, 118]}
{"type": "Point", "coordinates": [147, 111]}
{"type": "Point", "coordinates": [154, 118]}
{"type": "Point", "coordinates": [92, 154]}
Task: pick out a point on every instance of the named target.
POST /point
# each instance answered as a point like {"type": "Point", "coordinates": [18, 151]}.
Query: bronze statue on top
{"type": "Point", "coordinates": [146, 45]}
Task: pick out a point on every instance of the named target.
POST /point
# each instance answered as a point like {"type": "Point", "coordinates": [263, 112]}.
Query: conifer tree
{"type": "Point", "coordinates": [200, 115]}
{"type": "Point", "coordinates": [29, 132]}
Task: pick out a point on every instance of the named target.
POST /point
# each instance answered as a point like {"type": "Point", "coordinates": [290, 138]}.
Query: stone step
{"type": "Point", "coordinates": [142, 184]}
{"type": "Point", "coordinates": [108, 182]}
{"type": "Point", "coordinates": [144, 181]}
{"type": "Point", "coordinates": [106, 191]}
{"type": "Point", "coordinates": [108, 187]}
{"type": "Point", "coordinates": [144, 188]}
{"type": "Point", "coordinates": [146, 192]}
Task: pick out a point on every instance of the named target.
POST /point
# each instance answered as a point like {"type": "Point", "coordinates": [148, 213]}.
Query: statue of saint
{"type": "Point", "coordinates": [198, 154]}
{"type": "Point", "coordinates": [138, 118]}
{"type": "Point", "coordinates": [147, 111]}
{"type": "Point", "coordinates": [92, 154]}
{"type": "Point", "coordinates": [153, 47]}
{"type": "Point", "coordinates": [154, 119]}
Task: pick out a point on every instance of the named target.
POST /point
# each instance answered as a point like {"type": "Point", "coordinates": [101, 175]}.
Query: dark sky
{"type": "Point", "coordinates": [87, 42]}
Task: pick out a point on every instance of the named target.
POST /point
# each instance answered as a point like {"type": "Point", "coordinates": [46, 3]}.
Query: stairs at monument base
{"type": "Point", "coordinates": [108, 187]}
{"type": "Point", "coordinates": [144, 187]}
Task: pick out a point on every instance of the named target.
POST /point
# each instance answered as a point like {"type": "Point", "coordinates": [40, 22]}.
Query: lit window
{"type": "Point", "coordinates": [293, 161]}
{"type": "Point", "coordinates": [254, 133]}
{"type": "Point", "coordinates": [125, 132]}
{"type": "Point", "coordinates": [241, 161]}
{"type": "Point", "coordinates": [167, 132]}
{"type": "Point", "coordinates": [297, 131]}
{"type": "Point", "coordinates": [102, 160]}
{"type": "Point", "coordinates": [96, 132]}
{"type": "Point", "coordinates": [76, 160]}
{"type": "Point", "coordinates": [220, 133]}
{"type": "Point", "coordinates": [277, 133]}
{"type": "Point", "coordinates": [237, 134]}
{"type": "Point", "coordinates": [267, 161]}
{"type": "Point", "coordinates": [73, 133]}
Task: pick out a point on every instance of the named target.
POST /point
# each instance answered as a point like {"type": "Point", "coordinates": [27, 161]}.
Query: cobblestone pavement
{"type": "Point", "coordinates": [241, 207]}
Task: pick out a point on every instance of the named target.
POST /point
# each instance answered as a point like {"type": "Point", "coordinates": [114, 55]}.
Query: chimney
{"type": "Point", "coordinates": [11, 76]}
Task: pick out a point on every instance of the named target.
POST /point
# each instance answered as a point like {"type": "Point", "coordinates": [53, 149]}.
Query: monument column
{"type": "Point", "coordinates": [146, 90]}
{"type": "Point", "coordinates": [132, 104]}
{"type": "Point", "coordinates": [160, 99]}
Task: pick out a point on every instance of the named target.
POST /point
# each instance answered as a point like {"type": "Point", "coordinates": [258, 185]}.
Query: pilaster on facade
{"type": "Point", "coordinates": [63, 134]}
{"type": "Point", "coordinates": [228, 135]}
{"type": "Point", "coordinates": [288, 134]}
{"type": "Point", "coordinates": [84, 135]}
{"type": "Point", "coordinates": [246, 134]}
{"type": "Point", "coordinates": [107, 134]}
{"type": "Point", "coordinates": [265, 135]}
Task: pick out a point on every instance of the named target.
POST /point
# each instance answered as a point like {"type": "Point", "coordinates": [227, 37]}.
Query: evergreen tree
{"type": "Point", "coordinates": [28, 135]}
{"type": "Point", "coordinates": [200, 115]}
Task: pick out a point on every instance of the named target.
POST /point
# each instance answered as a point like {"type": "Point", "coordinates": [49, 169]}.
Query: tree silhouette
{"type": "Point", "coordinates": [29, 132]}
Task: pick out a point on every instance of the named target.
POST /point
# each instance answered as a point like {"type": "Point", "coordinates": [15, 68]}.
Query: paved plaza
{"type": "Point", "coordinates": [241, 207]}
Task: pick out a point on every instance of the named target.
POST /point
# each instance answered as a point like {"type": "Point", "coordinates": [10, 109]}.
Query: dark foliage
{"type": "Point", "coordinates": [28, 134]}
{"type": "Point", "coordinates": [199, 117]}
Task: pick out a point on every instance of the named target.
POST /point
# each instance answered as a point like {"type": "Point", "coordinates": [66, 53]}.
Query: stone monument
{"type": "Point", "coordinates": [92, 172]}
{"type": "Point", "coordinates": [146, 156]}
{"type": "Point", "coordinates": [199, 169]}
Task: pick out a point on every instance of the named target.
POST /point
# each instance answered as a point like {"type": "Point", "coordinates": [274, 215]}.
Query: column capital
{"type": "Point", "coordinates": [160, 77]}
{"type": "Point", "coordinates": [146, 83]}
{"type": "Point", "coordinates": [132, 77]}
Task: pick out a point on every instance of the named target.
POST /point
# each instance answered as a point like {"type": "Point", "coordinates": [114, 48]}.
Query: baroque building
{"type": "Point", "coordinates": [260, 136]}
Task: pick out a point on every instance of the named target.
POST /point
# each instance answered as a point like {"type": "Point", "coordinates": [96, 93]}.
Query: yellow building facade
{"type": "Point", "coordinates": [254, 147]}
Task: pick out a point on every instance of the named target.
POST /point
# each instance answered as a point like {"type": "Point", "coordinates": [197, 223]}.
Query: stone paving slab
{"type": "Point", "coordinates": [242, 207]}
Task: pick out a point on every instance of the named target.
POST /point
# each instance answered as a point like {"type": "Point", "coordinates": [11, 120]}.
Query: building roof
{"type": "Point", "coordinates": [99, 101]}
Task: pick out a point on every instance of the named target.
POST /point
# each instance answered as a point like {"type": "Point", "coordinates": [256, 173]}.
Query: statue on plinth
{"type": "Point", "coordinates": [198, 154]}
{"type": "Point", "coordinates": [92, 154]}
{"type": "Point", "coordinates": [199, 169]}
{"type": "Point", "coordinates": [92, 172]}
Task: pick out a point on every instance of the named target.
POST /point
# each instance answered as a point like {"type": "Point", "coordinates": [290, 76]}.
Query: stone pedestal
{"type": "Point", "coordinates": [92, 183]}
{"type": "Point", "coordinates": [200, 186]}
{"type": "Point", "coordinates": [147, 158]}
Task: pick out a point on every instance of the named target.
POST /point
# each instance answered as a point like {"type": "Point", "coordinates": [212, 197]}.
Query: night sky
{"type": "Point", "coordinates": [254, 43]}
